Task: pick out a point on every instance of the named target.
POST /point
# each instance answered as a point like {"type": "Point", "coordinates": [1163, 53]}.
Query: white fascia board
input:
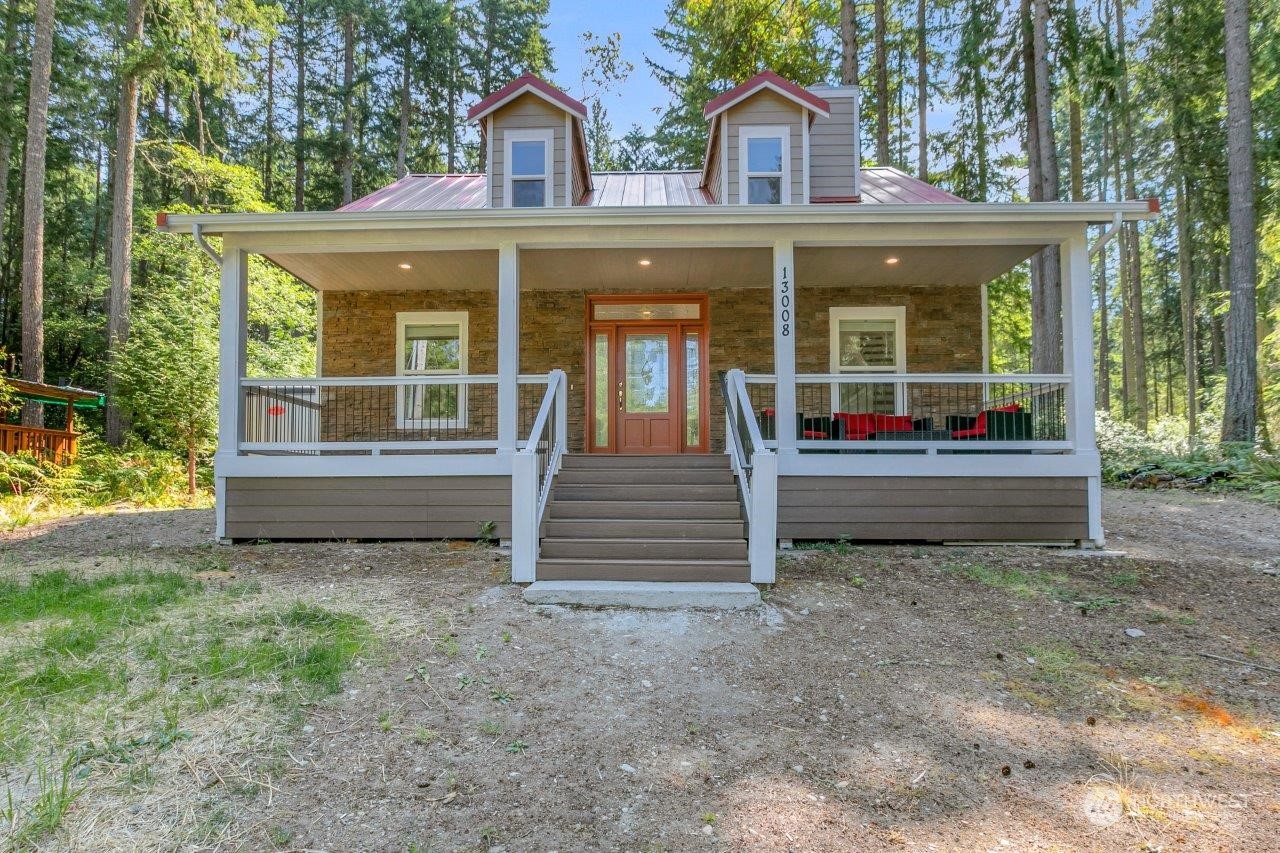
{"type": "Point", "coordinates": [793, 214]}
{"type": "Point", "coordinates": [526, 89]}
{"type": "Point", "coordinates": [778, 90]}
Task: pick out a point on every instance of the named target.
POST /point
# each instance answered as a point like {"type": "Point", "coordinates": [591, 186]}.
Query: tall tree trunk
{"type": "Point", "coordinates": [1240, 415]}
{"type": "Point", "coordinates": [1046, 272]}
{"type": "Point", "coordinates": [348, 106]}
{"type": "Point", "coordinates": [300, 108]}
{"type": "Point", "coordinates": [451, 101]}
{"type": "Point", "coordinates": [1132, 291]}
{"type": "Point", "coordinates": [6, 141]}
{"type": "Point", "coordinates": [1104, 309]}
{"type": "Point", "coordinates": [1218, 273]}
{"type": "Point", "coordinates": [1075, 122]}
{"type": "Point", "coordinates": [882, 86]}
{"type": "Point", "coordinates": [1187, 292]}
{"type": "Point", "coordinates": [849, 43]}
{"type": "Point", "coordinates": [922, 88]}
{"type": "Point", "coordinates": [406, 82]}
{"type": "Point", "coordinates": [33, 208]}
{"type": "Point", "coordinates": [122, 218]}
{"type": "Point", "coordinates": [269, 126]}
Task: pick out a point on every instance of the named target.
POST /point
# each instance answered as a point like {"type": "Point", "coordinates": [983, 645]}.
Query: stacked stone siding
{"type": "Point", "coordinates": [944, 334]}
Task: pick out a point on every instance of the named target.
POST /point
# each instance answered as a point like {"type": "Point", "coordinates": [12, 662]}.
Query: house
{"type": "Point", "coordinates": [660, 375]}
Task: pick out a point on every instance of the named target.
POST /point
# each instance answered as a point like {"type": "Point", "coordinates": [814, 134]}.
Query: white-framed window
{"type": "Point", "coordinates": [868, 340]}
{"type": "Point", "coordinates": [527, 177]}
{"type": "Point", "coordinates": [764, 164]}
{"type": "Point", "coordinates": [431, 343]}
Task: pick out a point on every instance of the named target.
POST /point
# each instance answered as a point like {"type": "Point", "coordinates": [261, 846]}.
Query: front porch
{"type": "Point", "coordinates": [895, 431]}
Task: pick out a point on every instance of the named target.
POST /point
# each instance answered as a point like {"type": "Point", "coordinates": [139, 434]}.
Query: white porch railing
{"type": "Point", "coordinates": [534, 468]}
{"type": "Point", "coordinates": [756, 470]}
{"type": "Point", "coordinates": [924, 413]}
{"type": "Point", "coordinates": [375, 415]}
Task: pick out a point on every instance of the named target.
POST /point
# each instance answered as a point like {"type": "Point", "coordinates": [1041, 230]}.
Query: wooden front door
{"type": "Point", "coordinates": [647, 376]}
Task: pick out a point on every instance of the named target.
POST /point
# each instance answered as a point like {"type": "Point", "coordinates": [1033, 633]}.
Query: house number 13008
{"type": "Point", "coordinates": [784, 302]}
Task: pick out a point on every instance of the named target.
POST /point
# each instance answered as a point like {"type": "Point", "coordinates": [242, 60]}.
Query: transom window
{"type": "Point", "coordinates": [868, 340]}
{"type": "Point", "coordinates": [764, 164]}
{"type": "Point", "coordinates": [528, 167]}
{"type": "Point", "coordinates": [431, 343]}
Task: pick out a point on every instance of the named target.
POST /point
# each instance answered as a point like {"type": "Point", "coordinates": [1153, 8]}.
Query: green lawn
{"type": "Point", "coordinates": [101, 675]}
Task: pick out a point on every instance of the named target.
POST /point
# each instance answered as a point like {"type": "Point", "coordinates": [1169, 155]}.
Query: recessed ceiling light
{"type": "Point", "coordinates": [891, 260]}
{"type": "Point", "coordinates": [644, 262]}
{"type": "Point", "coordinates": [406, 266]}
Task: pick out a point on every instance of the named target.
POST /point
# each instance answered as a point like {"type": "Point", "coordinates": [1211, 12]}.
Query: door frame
{"type": "Point", "coordinates": [702, 326]}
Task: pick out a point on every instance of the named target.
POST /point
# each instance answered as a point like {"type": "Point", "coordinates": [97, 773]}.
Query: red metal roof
{"type": "Point", "coordinates": [887, 185]}
{"type": "Point", "coordinates": [880, 185]}
{"type": "Point", "coordinates": [532, 84]}
{"type": "Point", "coordinates": [766, 80]}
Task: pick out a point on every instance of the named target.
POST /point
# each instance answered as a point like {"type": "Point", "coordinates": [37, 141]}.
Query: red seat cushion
{"type": "Point", "coordinates": [969, 433]}
{"type": "Point", "coordinates": [857, 425]}
{"type": "Point", "coordinates": [1012, 407]}
{"type": "Point", "coordinates": [893, 423]}
{"type": "Point", "coordinates": [813, 433]}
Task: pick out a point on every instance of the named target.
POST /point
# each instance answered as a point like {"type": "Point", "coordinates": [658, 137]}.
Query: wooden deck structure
{"type": "Point", "coordinates": [54, 445]}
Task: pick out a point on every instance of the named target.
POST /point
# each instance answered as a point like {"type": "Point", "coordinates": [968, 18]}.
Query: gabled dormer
{"type": "Point", "coordinates": [535, 147]}
{"type": "Point", "coordinates": [773, 142]}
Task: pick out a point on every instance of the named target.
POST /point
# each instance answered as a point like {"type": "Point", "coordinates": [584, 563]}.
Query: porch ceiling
{"type": "Point", "coordinates": [692, 268]}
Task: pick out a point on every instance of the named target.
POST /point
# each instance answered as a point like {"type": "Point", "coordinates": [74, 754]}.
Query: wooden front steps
{"type": "Point", "coordinates": [644, 518]}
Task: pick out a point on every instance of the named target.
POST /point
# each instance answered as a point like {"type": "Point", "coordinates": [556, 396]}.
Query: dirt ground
{"type": "Point", "coordinates": [903, 697]}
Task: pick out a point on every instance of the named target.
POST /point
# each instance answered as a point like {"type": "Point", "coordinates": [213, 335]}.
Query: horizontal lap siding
{"type": "Point", "coordinates": [366, 507]}
{"type": "Point", "coordinates": [1026, 509]}
{"type": "Point", "coordinates": [831, 149]}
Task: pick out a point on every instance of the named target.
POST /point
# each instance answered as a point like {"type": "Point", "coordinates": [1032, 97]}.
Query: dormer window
{"type": "Point", "coordinates": [528, 173]}
{"type": "Point", "coordinates": [764, 158]}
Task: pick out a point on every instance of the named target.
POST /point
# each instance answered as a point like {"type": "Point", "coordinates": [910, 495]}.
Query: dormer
{"type": "Point", "coordinates": [773, 142]}
{"type": "Point", "coordinates": [535, 147]}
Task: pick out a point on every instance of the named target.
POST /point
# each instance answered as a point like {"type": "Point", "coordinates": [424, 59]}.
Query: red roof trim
{"type": "Point", "coordinates": [769, 80]}
{"type": "Point", "coordinates": [534, 85]}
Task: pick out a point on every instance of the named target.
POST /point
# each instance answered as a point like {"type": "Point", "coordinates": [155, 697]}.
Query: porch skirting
{"type": "Point", "coordinates": [392, 507]}
{"type": "Point", "coordinates": [934, 509]}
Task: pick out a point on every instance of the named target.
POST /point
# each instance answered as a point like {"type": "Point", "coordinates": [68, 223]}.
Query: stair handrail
{"type": "Point", "coordinates": [742, 433]}
{"type": "Point", "coordinates": [552, 418]}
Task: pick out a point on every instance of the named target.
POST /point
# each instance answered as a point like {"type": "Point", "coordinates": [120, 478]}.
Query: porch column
{"type": "Point", "coordinates": [508, 345]}
{"type": "Point", "coordinates": [231, 368]}
{"type": "Point", "coordinates": [1077, 360]}
{"type": "Point", "coordinates": [784, 344]}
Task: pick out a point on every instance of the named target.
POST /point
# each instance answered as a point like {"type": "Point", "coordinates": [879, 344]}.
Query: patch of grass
{"type": "Point", "coordinates": [490, 728]}
{"type": "Point", "coordinates": [302, 645]}
{"type": "Point", "coordinates": [1054, 664]}
{"type": "Point", "coordinates": [516, 747]}
{"type": "Point", "coordinates": [448, 644]}
{"type": "Point", "coordinates": [1022, 584]}
{"type": "Point", "coordinates": [1123, 580]}
{"type": "Point", "coordinates": [424, 736]}
{"type": "Point", "coordinates": [500, 696]}
{"type": "Point", "coordinates": [108, 600]}
{"type": "Point", "coordinates": [55, 792]}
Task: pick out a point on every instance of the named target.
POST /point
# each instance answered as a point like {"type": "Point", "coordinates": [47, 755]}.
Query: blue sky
{"type": "Point", "coordinates": [635, 20]}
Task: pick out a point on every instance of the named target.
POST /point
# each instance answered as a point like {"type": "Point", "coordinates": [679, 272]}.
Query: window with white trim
{"type": "Point", "coordinates": [528, 176]}
{"type": "Point", "coordinates": [431, 343]}
{"type": "Point", "coordinates": [868, 340]}
{"type": "Point", "coordinates": [764, 165]}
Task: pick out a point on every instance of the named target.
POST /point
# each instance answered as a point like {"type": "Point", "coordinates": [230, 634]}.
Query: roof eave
{"type": "Point", "coordinates": [795, 214]}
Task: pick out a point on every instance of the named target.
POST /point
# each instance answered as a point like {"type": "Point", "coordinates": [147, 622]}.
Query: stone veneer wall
{"type": "Point", "coordinates": [944, 334]}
